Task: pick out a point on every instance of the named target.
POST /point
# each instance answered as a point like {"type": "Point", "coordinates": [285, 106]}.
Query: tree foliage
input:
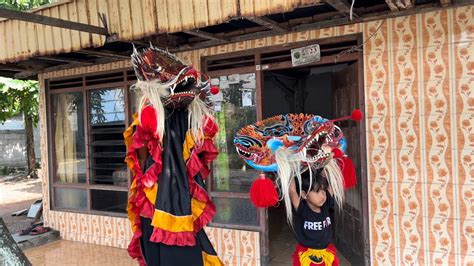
{"type": "Point", "coordinates": [22, 5]}
{"type": "Point", "coordinates": [18, 96]}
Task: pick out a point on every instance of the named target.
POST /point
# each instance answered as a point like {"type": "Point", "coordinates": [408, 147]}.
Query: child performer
{"type": "Point", "coordinates": [312, 221]}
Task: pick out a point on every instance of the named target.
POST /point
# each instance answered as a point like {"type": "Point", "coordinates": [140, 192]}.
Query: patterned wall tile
{"type": "Point", "coordinates": [249, 262]}
{"type": "Point", "coordinates": [437, 120]}
{"type": "Point", "coordinates": [378, 148]}
{"type": "Point", "coordinates": [463, 35]}
{"type": "Point", "coordinates": [230, 260]}
{"type": "Point", "coordinates": [406, 142]}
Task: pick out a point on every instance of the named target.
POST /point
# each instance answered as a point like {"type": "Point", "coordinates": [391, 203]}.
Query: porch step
{"type": "Point", "coordinates": [29, 241]}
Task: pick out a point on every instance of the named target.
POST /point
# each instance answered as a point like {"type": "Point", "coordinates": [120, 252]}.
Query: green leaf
{"type": "Point", "coordinates": [18, 96]}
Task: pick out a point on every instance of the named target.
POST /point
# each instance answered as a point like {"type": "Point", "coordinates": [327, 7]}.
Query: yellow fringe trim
{"type": "Point", "coordinates": [131, 214]}
{"type": "Point", "coordinates": [172, 223]}
{"type": "Point", "coordinates": [326, 256]}
{"type": "Point", "coordinates": [128, 138]}
{"type": "Point", "coordinates": [188, 146]}
{"type": "Point", "coordinates": [211, 260]}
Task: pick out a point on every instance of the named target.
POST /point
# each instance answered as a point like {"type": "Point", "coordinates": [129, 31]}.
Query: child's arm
{"type": "Point", "coordinates": [294, 197]}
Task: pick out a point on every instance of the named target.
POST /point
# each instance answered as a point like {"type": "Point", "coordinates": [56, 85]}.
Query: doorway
{"type": "Point", "coordinates": [330, 91]}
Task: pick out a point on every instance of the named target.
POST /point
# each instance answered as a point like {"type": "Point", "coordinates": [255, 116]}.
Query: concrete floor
{"type": "Point", "coordinates": [64, 252]}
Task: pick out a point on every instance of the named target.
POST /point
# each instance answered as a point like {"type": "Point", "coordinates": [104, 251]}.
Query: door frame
{"type": "Point", "coordinates": [259, 69]}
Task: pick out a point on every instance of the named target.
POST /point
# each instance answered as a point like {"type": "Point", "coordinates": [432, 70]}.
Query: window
{"type": "Point", "coordinates": [235, 107]}
{"type": "Point", "coordinates": [87, 118]}
{"type": "Point", "coordinates": [68, 119]}
{"type": "Point", "coordinates": [107, 149]}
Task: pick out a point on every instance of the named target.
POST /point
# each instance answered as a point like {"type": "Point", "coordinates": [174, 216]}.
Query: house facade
{"type": "Point", "coordinates": [411, 74]}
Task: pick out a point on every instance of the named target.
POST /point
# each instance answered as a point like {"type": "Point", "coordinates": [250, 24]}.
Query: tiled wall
{"type": "Point", "coordinates": [419, 91]}
{"type": "Point", "coordinates": [420, 99]}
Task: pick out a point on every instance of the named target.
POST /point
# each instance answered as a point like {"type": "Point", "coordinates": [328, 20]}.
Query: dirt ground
{"type": "Point", "coordinates": [17, 193]}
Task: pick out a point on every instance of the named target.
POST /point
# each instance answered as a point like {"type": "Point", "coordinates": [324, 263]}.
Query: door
{"type": "Point", "coordinates": [348, 234]}
{"type": "Point", "coordinates": [282, 94]}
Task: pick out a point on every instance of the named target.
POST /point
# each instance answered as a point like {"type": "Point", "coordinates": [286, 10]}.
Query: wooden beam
{"type": "Point", "coordinates": [6, 74]}
{"type": "Point", "coordinates": [65, 59]}
{"type": "Point", "coordinates": [8, 68]}
{"type": "Point", "coordinates": [55, 22]}
{"type": "Point", "coordinates": [103, 53]}
{"type": "Point", "coordinates": [341, 6]}
{"type": "Point", "coordinates": [31, 73]}
{"type": "Point", "coordinates": [198, 45]}
{"type": "Point", "coordinates": [268, 23]}
{"type": "Point", "coordinates": [206, 35]}
{"type": "Point", "coordinates": [445, 3]}
{"type": "Point", "coordinates": [322, 24]}
{"type": "Point", "coordinates": [25, 74]}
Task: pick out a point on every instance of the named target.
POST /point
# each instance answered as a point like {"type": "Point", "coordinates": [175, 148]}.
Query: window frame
{"type": "Point", "coordinates": [85, 89]}
{"type": "Point", "coordinates": [261, 212]}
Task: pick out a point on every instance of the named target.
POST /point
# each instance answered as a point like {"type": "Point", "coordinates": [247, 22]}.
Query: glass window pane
{"type": "Point", "coordinates": [109, 201]}
{"type": "Point", "coordinates": [70, 198]}
{"type": "Point", "coordinates": [235, 107]}
{"type": "Point", "coordinates": [107, 106]}
{"type": "Point", "coordinates": [235, 211]}
{"type": "Point", "coordinates": [68, 134]}
{"type": "Point", "coordinates": [107, 148]}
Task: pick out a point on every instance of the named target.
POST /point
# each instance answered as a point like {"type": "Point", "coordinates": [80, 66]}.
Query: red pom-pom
{"type": "Point", "coordinates": [148, 119]}
{"type": "Point", "coordinates": [348, 172]}
{"type": "Point", "coordinates": [214, 90]}
{"type": "Point", "coordinates": [263, 193]}
{"type": "Point", "coordinates": [356, 115]}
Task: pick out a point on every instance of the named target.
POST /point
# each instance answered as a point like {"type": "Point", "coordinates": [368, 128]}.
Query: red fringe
{"type": "Point", "coordinates": [200, 158]}
{"type": "Point", "coordinates": [134, 249]}
{"type": "Point", "coordinates": [206, 216]}
{"type": "Point", "coordinates": [173, 238]}
{"type": "Point", "coordinates": [139, 204]}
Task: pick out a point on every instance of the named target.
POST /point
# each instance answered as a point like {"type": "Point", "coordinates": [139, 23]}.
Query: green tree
{"type": "Point", "coordinates": [22, 5]}
{"type": "Point", "coordinates": [21, 96]}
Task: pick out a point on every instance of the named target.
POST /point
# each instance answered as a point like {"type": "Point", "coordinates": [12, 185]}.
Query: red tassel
{"type": "Point", "coordinates": [347, 168]}
{"type": "Point", "coordinates": [263, 193]}
{"type": "Point", "coordinates": [348, 172]}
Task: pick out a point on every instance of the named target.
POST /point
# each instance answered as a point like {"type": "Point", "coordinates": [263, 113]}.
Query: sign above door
{"type": "Point", "coordinates": [305, 55]}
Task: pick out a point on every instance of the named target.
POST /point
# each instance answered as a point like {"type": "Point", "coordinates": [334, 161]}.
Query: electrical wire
{"type": "Point", "coordinates": [356, 48]}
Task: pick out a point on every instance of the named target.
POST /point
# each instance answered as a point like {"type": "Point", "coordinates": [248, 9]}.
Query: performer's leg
{"type": "Point", "coordinates": [158, 254]}
{"type": "Point", "coordinates": [150, 250]}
